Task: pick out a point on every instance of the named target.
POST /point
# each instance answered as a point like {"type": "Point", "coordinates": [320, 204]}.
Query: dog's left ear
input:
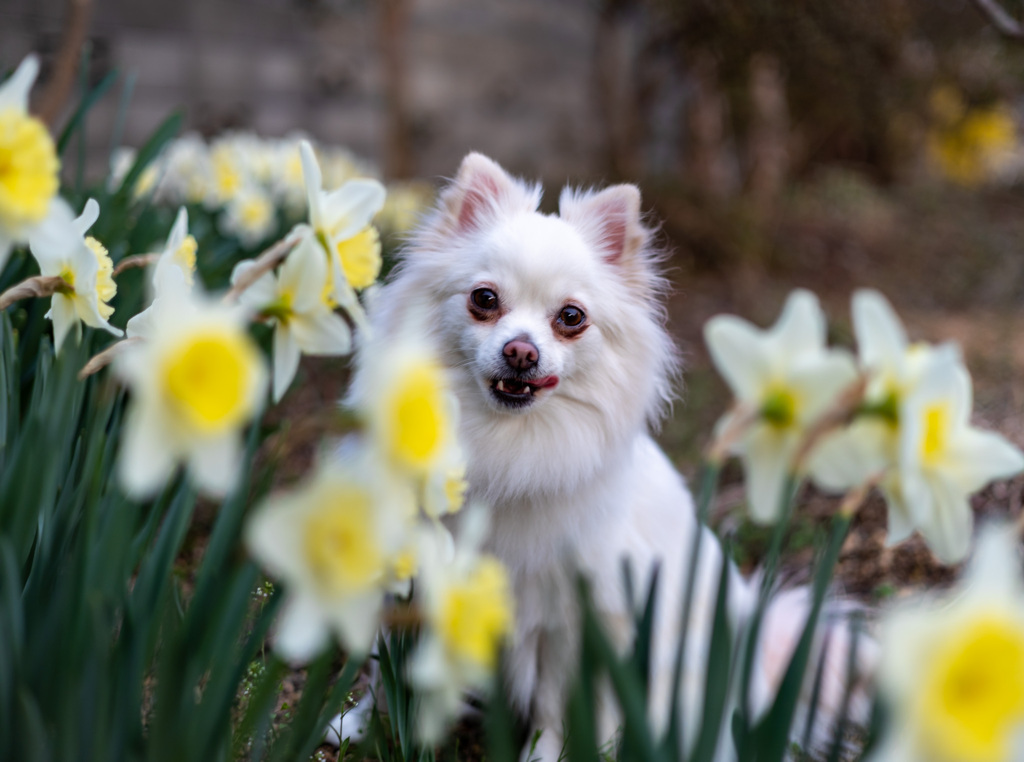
{"type": "Point", "coordinates": [609, 220]}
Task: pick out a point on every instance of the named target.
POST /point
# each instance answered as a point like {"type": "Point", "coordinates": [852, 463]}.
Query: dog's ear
{"type": "Point", "coordinates": [609, 220]}
{"type": "Point", "coordinates": [482, 188]}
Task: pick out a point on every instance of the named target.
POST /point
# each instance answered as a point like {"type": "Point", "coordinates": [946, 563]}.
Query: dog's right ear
{"type": "Point", "coordinates": [481, 190]}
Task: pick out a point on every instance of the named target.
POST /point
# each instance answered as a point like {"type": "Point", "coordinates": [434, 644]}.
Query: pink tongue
{"type": "Point", "coordinates": [543, 383]}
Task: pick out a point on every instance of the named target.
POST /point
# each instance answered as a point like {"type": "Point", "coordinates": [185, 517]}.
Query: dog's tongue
{"type": "Point", "coordinates": [543, 383]}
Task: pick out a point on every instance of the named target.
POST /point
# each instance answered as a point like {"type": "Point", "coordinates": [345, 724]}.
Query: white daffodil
{"type": "Point", "coordinates": [446, 486]}
{"type": "Point", "coordinates": [913, 432]}
{"type": "Point", "coordinates": [952, 669]}
{"type": "Point", "coordinates": [63, 250]}
{"type": "Point", "coordinates": [332, 542]}
{"type": "Point", "coordinates": [942, 460]}
{"type": "Point", "coordinates": [789, 379]}
{"type": "Point", "coordinates": [196, 380]}
{"type": "Point", "coordinates": [249, 215]}
{"type": "Point", "coordinates": [179, 252]}
{"type": "Point", "coordinates": [294, 301]}
{"type": "Point", "coordinates": [29, 167]}
{"type": "Point", "coordinates": [469, 610]}
{"type": "Point", "coordinates": [341, 221]}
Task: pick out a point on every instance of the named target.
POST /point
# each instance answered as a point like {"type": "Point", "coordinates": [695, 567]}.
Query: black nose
{"type": "Point", "coordinates": [520, 354]}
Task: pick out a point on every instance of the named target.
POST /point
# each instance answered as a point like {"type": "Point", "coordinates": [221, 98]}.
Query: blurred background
{"type": "Point", "coordinates": [831, 145]}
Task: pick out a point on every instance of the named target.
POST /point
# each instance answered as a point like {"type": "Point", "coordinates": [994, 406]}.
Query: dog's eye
{"type": "Point", "coordinates": [484, 298]}
{"type": "Point", "coordinates": [572, 317]}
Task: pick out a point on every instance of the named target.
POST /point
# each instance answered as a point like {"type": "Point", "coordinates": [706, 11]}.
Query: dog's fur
{"type": "Point", "coordinates": [573, 477]}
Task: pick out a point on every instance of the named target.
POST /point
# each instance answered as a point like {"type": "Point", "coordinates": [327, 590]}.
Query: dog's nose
{"type": "Point", "coordinates": [520, 354]}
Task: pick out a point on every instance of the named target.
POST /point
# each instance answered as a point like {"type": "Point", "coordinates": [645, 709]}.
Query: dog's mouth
{"type": "Point", "coordinates": [520, 392]}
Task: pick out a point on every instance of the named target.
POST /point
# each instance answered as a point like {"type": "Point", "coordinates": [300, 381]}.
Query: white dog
{"type": "Point", "coordinates": [553, 329]}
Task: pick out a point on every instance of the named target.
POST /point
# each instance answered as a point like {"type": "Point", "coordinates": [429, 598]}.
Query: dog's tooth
{"type": "Point", "coordinates": [501, 386]}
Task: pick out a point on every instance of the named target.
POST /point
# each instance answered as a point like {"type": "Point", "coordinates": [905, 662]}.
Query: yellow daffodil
{"type": "Point", "coordinates": [469, 609]}
{"type": "Point", "coordinates": [83, 264]}
{"type": "Point", "coordinates": [196, 380]}
{"type": "Point", "coordinates": [29, 204]}
{"type": "Point", "coordinates": [952, 670]}
{"type": "Point", "coordinates": [333, 543]}
{"type": "Point", "coordinates": [340, 219]}
{"type": "Point", "coordinates": [293, 301]}
{"type": "Point", "coordinates": [788, 378]}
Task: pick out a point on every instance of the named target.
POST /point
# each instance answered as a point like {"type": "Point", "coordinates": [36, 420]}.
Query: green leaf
{"type": "Point", "coordinates": [84, 106]}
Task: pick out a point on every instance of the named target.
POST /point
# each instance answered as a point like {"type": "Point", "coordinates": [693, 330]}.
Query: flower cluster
{"type": "Point", "coordinates": [254, 185]}
{"type": "Point", "coordinates": [898, 417]}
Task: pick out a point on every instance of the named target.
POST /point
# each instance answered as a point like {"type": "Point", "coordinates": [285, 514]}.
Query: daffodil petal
{"type": "Point", "coordinates": [801, 326]}
{"type": "Point", "coordinates": [948, 533]}
{"type": "Point", "coordinates": [304, 274]}
{"type": "Point", "coordinates": [51, 240]}
{"type": "Point", "coordinates": [900, 518]}
{"type": "Point", "coordinates": [286, 360]}
{"type": "Point", "coordinates": [978, 457]}
{"type": "Point", "coordinates": [357, 621]}
{"type": "Point", "coordinates": [62, 313]}
{"type": "Point", "coordinates": [881, 340]}
{"type": "Point", "coordinates": [321, 332]}
{"type": "Point", "coordinates": [146, 461]}
{"type": "Point", "coordinates": [215, 464]}
{"type": "Point", "coordinates": [263, 290]}
{"type": "Point", "coordinates": [301, 631]}
{"type": "Point", "coordinates": [737, 351]}
{"type": "Point", "coordinates": [349, 209]}
{"type": "Point", "coordinates": [179, 231]}
{"type": "Point", "coordinates": [819, 380]}
{"type": "Point", "coordinates": [14, 91]}
{"type": "Point", "coordinates": [847, 458]}
{"type": "Point", "coordinates": [767, 460]}
{"type": "Point", "coordinates": [313, 180]}
{"type": "Point", "coordinates": [84, 221]}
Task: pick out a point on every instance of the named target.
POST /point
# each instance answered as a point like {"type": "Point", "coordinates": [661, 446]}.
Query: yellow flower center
{"type": "Point", "coordinates": [404, 565]}
{"type": "Point", "coordinates": [935, 437]}
{"type": "Point", "coordinates": [974, 697]}
{"type": "Point", "coordinates": [455, 487]}
{"type": "Point", "coordinates": [185, 258]}
{"type": "Point", "coordinates": [106, 288]}
{"type": "Point", "coordinates": [360, 257]}
{"type": "Point", "coordinates": [476, 614]}
{"type": "Point", "coordinates": [416, 419]}
{"type": "Point", "coordinates": [208, 378]}
{"type": "Point", "coordinates": [28, 169]}
{"type": "Point", "coordinates": [254, 213]}
{"type": "Point", "coordinates": [341, 544]}
{"type": "Point", "coordinates": [227, 179]}
{"type": "Point", "coordinates": [779, 407]}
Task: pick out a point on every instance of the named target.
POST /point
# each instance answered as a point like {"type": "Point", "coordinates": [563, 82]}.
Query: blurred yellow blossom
{"type": "Point", "coordinates": [28, 165]}
{"type": "Point", "coordinates": [968, 144]}
{"type": "Point", "coordinates": [952, 670]}
{"type": "Point", "coordinates": [333, 542]}
{"type": "Point", "coordinates": [196, 380]}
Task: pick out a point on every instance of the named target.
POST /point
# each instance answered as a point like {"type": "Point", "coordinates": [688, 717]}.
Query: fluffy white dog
{"type": "Point", "coordinates": [553, 329]}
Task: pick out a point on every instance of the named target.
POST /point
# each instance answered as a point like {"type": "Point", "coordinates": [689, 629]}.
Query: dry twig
{"type": "Point", "coordinates": [34, 288]}
{"type": "Point", "coordinates": [265, 262]}
{"type": "Point", "coordinates": [104, 358]}
{"type": "Point", "coordinates": [1006, 24]}
{"type": "Point", "coordinates": [138, 260]}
